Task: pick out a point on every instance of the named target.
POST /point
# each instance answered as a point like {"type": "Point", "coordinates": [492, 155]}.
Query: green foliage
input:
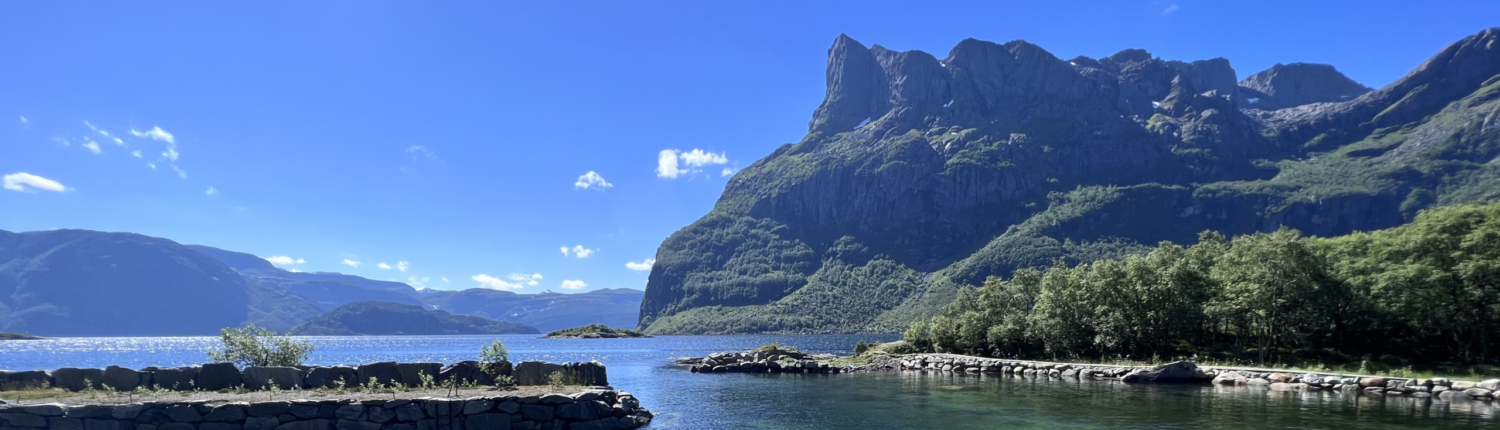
{"type": "Point", "coordinates": [774, 348]}
{"type": "Point", "coordinates": [494, 359]}
{"type": "Point", "coordinates": [557, 380]}
{"type": "Point", "coordinates": [1427, 292]}
{"type": "Point", "coordinates": [596, 330]}
{"type": "Point", "coordinates": [254, 346]}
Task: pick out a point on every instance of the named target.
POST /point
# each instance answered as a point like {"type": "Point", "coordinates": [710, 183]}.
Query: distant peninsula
{"type": "Point", "coordinates": [18, 336]}
{"type": "Point", "coordinates": [385, 318]}
{"type": "Point", "coordinates": [594, 331]}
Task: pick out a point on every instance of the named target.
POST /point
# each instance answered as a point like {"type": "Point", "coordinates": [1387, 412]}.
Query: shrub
{"type": "Point", "coordinates": [557, 380]}
{"type": "Point", "coordinates": [494, 359]}
{"type": "Point", "coordinates": [254, 346]}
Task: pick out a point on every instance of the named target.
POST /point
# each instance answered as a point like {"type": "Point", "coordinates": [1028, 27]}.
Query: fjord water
{"type": "Point", "coordinates": [684, 400]}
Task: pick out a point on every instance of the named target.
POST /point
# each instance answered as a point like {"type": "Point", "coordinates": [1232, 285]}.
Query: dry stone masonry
{"type": "Point", "coordinates": [221, 376]}
{"type": "Point", "coordinates": [593, 409]}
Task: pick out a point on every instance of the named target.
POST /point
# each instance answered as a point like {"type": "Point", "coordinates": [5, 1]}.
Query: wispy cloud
{"type": "Point", "coordinates": [494, 283]}
{"type": "Point", "coordinates": [24, 120]}
{"type": "Point", "coordinates": [727, 171]}
{"type": "Point", "coordinates": [402, 266]}
{"type": "Point", "coordinates": [573, 284]}
{"type": "Point", "coordinates": [283, 260]}
{"type": "Point", "coordinates": [137, 154]}
{"type": "Point", "coordinates": [445, 279]}
{"type": "Point", "coordinates": [93, 147]}
{"type": "Point", "coordinates": [155, 133]}
{"type": "Point", "coordinates": [211, 191]}
{"type": "Point", "coordinates": [577, 251]}
{"type": "Point", "coordinates": [644, 265]}
{"type": "Point", "coordinates": [1170, 8]}
{"type": "Point", "coordinates": [105, 133]}
{"type": "Point", "coordinates": [29, 183]}
{"type": "Point", "coordinates": [592, 180]}
{"type": "Point", "coordinates": [420, 152]}
{"type": "Point", "coordinates": [350, 263]}
{"type": "Point", "coordinates": [522, 278]}
{"type": "Point", "coordinates": [383, 266]}
{"type": "Point", "coordinates": [419, 283]}
{"type": "Point", "coordinates": [672, 163]}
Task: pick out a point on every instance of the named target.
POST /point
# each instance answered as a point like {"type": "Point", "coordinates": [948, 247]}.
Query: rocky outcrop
{"type": "Point", "coordinates": [1171, 373]}
{"type": "Point", "coordinates": [1297, 84]}
{"type": "Point", "coordinates": [540, 373]}
{"type": "Point", "coordinates": [593, 409]}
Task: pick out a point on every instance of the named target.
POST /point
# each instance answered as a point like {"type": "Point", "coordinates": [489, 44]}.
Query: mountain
{"type": "Point", "coordinates": [547, 311]}
{"type": "Point", "coordinates": [87, 283]}
{"type": "Point", "coordinates": [382, 318]}
{"type": "Point", "coordinates": [328, 290]}
{"type": "Point", "coordinates": [919, 175]}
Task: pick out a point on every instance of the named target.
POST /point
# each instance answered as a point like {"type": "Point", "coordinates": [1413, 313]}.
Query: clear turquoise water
{"type": "Point", "coordinates": [890, 400]}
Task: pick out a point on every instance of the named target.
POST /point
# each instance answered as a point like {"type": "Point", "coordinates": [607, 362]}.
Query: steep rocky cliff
{"type": "Point", "coordinates": [919, 174]}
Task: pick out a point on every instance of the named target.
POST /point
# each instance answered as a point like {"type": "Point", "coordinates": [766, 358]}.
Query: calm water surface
{"type": "Point", "coordinates": [852, 401]}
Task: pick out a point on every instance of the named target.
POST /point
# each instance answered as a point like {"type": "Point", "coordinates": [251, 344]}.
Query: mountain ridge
{"type": "Point", "coordinates": [919, 175]}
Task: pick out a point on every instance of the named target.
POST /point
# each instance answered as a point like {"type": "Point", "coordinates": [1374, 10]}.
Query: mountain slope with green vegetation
{"type": "Point", "coordinates": [1423, 293]}
{"type": "Point", "coordinates": [921, 176]}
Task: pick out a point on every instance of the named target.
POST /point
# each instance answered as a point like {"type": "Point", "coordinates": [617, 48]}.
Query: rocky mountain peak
{"type": "Point", "coordinates": [1296, 84]}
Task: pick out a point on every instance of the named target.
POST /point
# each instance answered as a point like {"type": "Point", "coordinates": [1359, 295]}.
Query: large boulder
{"type": "Point", "coordinates": [411, 373]}
{"type": "Point", "coordinates": [1176, 372]}
{"type": "Point", "coordinates": [75, 379]}
{"type": "Point", "coordinates": [385, 373]}
{"type": "Point", "coordinates": [174, 378]}
{"type": "Point", "coordinates": [535, 372]}
{"type": "Point", "coordinates": [592, 373]}
{"type": "Point", "coordinates": [331, 377]}
{"type": "Point", "coordinates": [262, 378]}
{"type": "Point", "coordinates": [218, 376]}
{"type": "Point", "coordinates": [462, 371]}
{"type": "Point", "coordinates": [121, 379]}
{"type": "Point", "coordinates": [24, 379]}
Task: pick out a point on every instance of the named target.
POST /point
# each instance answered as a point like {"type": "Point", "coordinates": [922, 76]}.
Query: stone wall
{"type": "Point", "coordinates": [595, 409]}
{"type": "Point", "coordinates": [219, 376]}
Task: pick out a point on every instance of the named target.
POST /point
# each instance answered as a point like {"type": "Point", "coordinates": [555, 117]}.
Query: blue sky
{"type": "Point", "coordinates": [447, 140]}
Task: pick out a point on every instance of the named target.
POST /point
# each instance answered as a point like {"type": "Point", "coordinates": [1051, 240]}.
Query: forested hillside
{"type": "Point", "coordinates": [1426, 292]}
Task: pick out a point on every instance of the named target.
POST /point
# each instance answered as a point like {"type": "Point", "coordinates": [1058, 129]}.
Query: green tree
{"type": "Point", "coordinates": [254, 346]}
{"type": "Point", "coordinates": [494, 359]}
{"type": "Point", "coordinates": [1273, 291]}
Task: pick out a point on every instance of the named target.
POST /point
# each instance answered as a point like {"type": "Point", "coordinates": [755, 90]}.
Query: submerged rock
{"type": "Point", "coordinates": [1176, 372]}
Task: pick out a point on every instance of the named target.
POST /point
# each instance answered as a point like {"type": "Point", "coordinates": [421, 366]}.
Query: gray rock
{"type": "Point", "coordinates": [1177, 372]}
{"type": "Point", "coordinates": [303, 410]}
{"type": "Point", "coordinates": [68, 423]}
{"type": "Point", "coordinates": [46, 410]}
{"type": "Point", "coordinates": [318, 424]}
{"type": "Point", "coordinates": [261, 378]}
{"type": "Point", "coordinates": [1489, 384]}
{"type": "Point", "coordinates": [353, 411]}
{"type": "Point", "coordinates": [385, 373]}
{"type": "Point", "coordinates": [177, 378]}
{"type": "Point", "coordinates": [379, 414]}
{"type": "Point", "coordinates": [218, 376]}
{"type": "Point", "coordinates": [26, 379]}
{"type": "Point", "coordinates": [229, 412]}
{"type": "Point", "coordinates": [183, 413]}
{"type": "Point", "coordinates": [331, 377]}
{"type": "Point", "coordinates": [176, 426]}
{"type": "Point", "coordinates": [121, 379]}
{"type": "Point", "coordinates": [478, 406]}
{"type": "Point", "coordinates": [75, 379]}
{"type": "Point", "coordinates": [127, 412]}
{"type": "Point", "coordinates": [411, 373]}
{"type": "Point", "coordinates": [462, 371]}
{"type": "Point", "coordinates": [356, 425]}
{"type": "Point", "coordinates": [536, 412]}
{"type": "Point", "coordinates": [89, 411]}
{"type": "Point", "coordinates": [535, 372]}
{"type": "Point", "coordinates": [98, 424]}
{"type": "Point", "coordinates": [269, 409]}
{"type": "Point", "coordinates": [220, 426]}
{"type": "Point", "coordinates": [261, 423]}
{"type": "Point", "coordinates": [487, 422]}
{"type": "Point", "coordinates": [23, 420]}
{"type": "Point", "coordinates": [1479, 393]}
{"type": "Point", "coordinates": [409, 412]}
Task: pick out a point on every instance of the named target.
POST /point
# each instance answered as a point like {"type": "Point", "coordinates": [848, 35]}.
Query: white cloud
{"type": "Point", "coordinates": [155, 133]}
{"type": "Point", "coordinates": [592, 180]}
{"type": "Point", "coordinates": [119, 141]}
{"type": "Point", "coordinates": [666, 164]}
{"type": "Point", "coordinates": [384, 266]}
{"type": "Point", "coordinates": [641, 266]}
{"type": "Point", "coordinates": [421, 152]}
{"type": "Point", "coordinates": [29, 183]}
{"type": "Point", "coordinates": [402, 266]}
{"type": "Point", "coordinates": [671, 163]}
{"type": "Point", "coordinates": [727, 171]}
{"type": "Point", "coordinates": [531, 279]}
{"type": "Point", "coordinates": [60, 141]}
{"type": "Point", "coordinates": [445, 279]}
{"type": "Point", "coordinates": [179, 171]}
{"type": "Point", "coordinates": [25, 121]}
{"type": "Point", "coordinates": [170, 154]}
{"type": "Point", "coordinates": [93, 147]}
{"type": "Point", "coordinates": [699, 158]}
{"type": "Point", "coordinates": [350, 263]}
{"type": "Point", "coordinates": [105, 133]}
{"type": "Point", "coordinates": [1170, 8]}
{"type": "Point", "coordinates": [282, 259]}
{"type": "Point", "coordinates": [211, 191]}
{"type": "Point", "coordinates": [578, 251]}
{"type": "Point", "coordinates": [573, 284]}
{"type": "Point", "coordinates": [419, 283]}
{"type": "Point", "coordinates": [294, 270]}
{"type": "Point", "coordinates": [137, 154]}
{"type": "Point", "coordinates": [494, 283]}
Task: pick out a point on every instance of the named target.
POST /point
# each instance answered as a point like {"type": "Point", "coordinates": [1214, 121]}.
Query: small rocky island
{"type": "Point", "coordinates": [594, 331]}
